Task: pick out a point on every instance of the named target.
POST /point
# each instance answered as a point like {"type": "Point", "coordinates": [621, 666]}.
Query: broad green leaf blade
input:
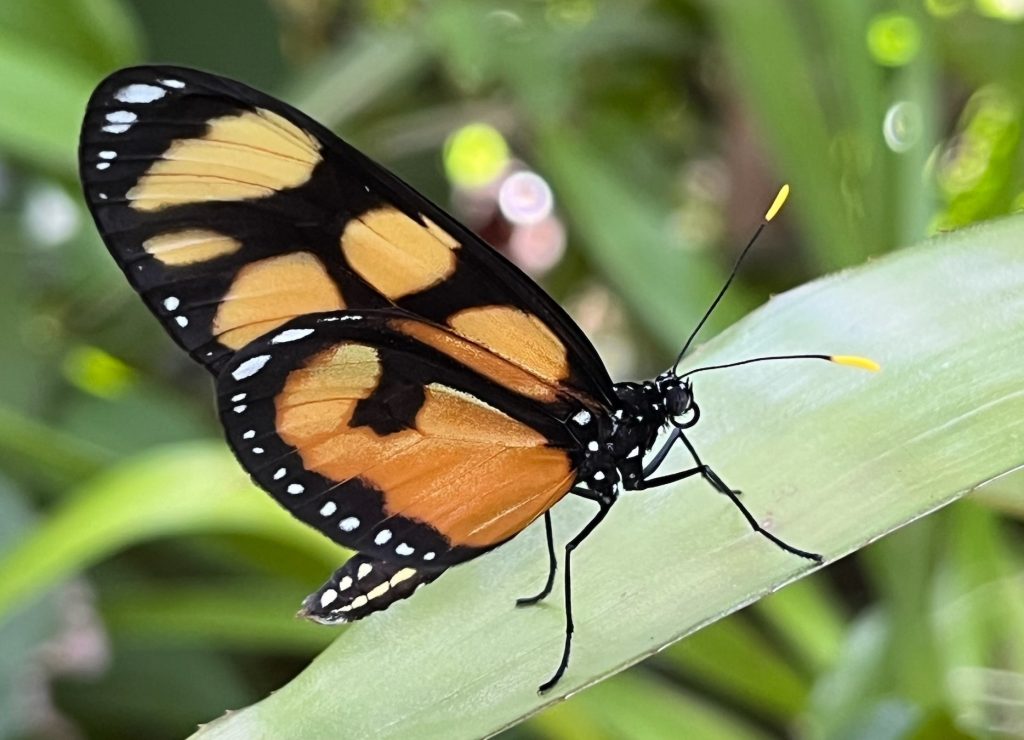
{"type": "Point", "coordinates": [829, 458]}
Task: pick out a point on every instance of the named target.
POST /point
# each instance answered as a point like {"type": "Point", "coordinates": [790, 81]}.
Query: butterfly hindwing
{"type": "Point", "coordinates": [232, 213]}
{"type": "Point", "coordinates": [397, 438]}
{"type": "Point", "coordinates": [364, 585]}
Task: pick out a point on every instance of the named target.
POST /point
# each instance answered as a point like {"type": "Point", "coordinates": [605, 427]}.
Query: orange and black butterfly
{"type": "Point", "coordinates": [384, 374]}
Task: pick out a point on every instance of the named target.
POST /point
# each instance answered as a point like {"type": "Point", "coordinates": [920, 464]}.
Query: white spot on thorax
{"type": "Point", "coordinates": [593, 446]}
{"type": "Point", "coordinates": [171, 303]}
{"type": "Point", "coordinates": [291, 335]}
{"type": "Point", "coordinates": [140, 93]}
{"type": "Point", "coordinates": [403, 549]}
{"type": "Point", "coordinates": [250, 367]}
{"type": "Point", "coordinates": [382, 537]}
{"type": "Point", "coordinates": [582, 418]}
{"type": "Point", "coordinates": [598, 475]}
{"type": "Point", "coordinates": [364, 570]}
{"type": "Point", "coordinates": [329, 508]}
{"type": "Point", "coordinates": [295, 488]}
{"type": "Point", "coordinates": [328, 597]}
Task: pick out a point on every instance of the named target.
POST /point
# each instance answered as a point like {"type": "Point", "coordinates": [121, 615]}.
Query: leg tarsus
{"type": "Point", "coordinates": [605, 504]}
{"type": "Point", "coordinates": [552, 566]}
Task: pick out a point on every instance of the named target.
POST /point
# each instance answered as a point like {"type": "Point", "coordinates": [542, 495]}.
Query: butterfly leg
{"type": "Point", "coordinates": [552, 566]}
{"type": "Point", "coordinates": [719, 485]}
{"type": "Point", "coordinates": [605, 502]}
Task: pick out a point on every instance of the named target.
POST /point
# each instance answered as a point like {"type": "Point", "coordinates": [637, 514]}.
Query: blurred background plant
{"type": "Point", "coordinates": [619, 150]}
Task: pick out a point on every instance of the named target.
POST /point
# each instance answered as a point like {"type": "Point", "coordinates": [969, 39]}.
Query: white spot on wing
{"type": "Point", "coordinates": [348, 524]}
{"type": "Point", "coordinates": [428, 556]}
{"type": "Point", "coordinates": [364, 570]}
{"type": "Point", "coordinates": [280, 473]}
{"type": "Point", "coordinates": [291, 335]}
{"type": "Point", "coordinates": [403, 549]}
{"type": "Point", "coordinates": [181, 321]}
{"type": "Point", "coordinates": [249, 434]}
{"type": "Point", "coordinates": [171, 303]}
{"type": "Point", "coordinates": [257, 450]}
{"type": "Point", "coordinates": [329, 508]}
{"type": "Point", "coordinates": [328, 597]}
{"type": "Point", "coordinates": [359, 601]}
{"type": "Point", "coordinates": [102, 165]}
{"type": "Point", "coordinates": [117, 128]}
{"type": "Point", "coordinates": [122, 116]}
{"type": "Point", "coordinates": [379, 590]}
{"type": "Point", "coordinates": [140, 93]}
{"type": "Point", "coordinates": [295, 488]}
{"type": "Point", "coordinates": [240, 408]}
{"type": "Point", "coordinates": [176, 84]}
{"type": "Point", "coordinates": [382, 537]}
{"type": "Point", "coordinates": [108, 154]}
{"type": "Point", "coordinates": [250, 367]}
{"type": "Point", "coordinates": [238, 397]}
{"type": "Point", "coordinates": [345, 583]}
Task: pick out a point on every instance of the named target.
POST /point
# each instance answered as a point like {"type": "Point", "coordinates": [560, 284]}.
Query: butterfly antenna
{"type": "Point", "coordinates": [776, 206]}
{"type": "Point", "coordinates": [862, 363]}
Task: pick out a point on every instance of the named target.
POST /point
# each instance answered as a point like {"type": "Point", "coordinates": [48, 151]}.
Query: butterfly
{"type": "Point", "coordinates": [385, 375]}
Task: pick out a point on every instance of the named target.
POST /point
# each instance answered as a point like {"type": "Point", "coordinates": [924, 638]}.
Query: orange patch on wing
{"type": "Point", "coordinates": [189, 246]}
{"type": "Point", "coordinates": [475, 357]}
{"type": "Point", "coordinates": [470, 471]}
{"type": "Point", "coordinates": [519, 337]}
{"type": "Point", "coordinates": [397, 255]}
{"type": "Point", "coordinates": [250, 155]}
{"type": "Point", "coordinates": [268, 293]}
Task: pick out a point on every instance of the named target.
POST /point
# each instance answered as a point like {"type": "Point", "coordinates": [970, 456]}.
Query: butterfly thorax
{"type": "Point", "coordinates": [619, 441]}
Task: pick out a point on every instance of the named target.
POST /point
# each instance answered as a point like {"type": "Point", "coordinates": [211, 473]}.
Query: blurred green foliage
{"type": "Point", "coordinates": [663, 127]}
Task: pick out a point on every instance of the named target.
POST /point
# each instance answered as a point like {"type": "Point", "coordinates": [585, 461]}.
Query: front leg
{"type": "Point", "coordinates": [552, 566]}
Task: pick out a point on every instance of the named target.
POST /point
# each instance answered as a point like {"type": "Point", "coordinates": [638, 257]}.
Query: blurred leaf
{"type": "Point", "coordinates": [47, 455]}
{"type": "Point", "coordinates": [940, 419]}
{"type": "Point", "coordinates": [730, 657]}
{"type": "Point", "coordinates": [177, 489]}
{"type": "Point", "coordinates": [807, 616]}
{"type": "Point", "coordinates": [638, 707]}
{"type": "Point", "coordinates": [52, 55]}
{"type": "Point", "coordinates": [627, 237]}
{"type": "Point", "coordinates": [22, 635]}
{"type": "Point", "coordinates": [222, 615]}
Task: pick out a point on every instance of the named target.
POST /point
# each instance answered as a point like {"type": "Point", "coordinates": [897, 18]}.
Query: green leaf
{"type": "Point", "coordinates": [185, 488]}
{"type": "Point", "coordinates": [829, 458]}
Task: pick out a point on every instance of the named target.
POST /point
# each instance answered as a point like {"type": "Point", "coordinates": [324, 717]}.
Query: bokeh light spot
{"type": "Point", "coordinates": [902, 126]}
{"type": "Point", "coordinates": [893, 39]}
{"type": "Point", "coordinates": [1004, 10]}
{"type": "Point", "coordinates": [475, 155]}
{"type": "Point", "coordinates": [944, 8]}
{"type": "Point", "coordinates": [97, 372]}
{"type": "Point", "coordinates": [525, 198]}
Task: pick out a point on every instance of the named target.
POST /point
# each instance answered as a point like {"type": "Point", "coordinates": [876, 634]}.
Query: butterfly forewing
{"type": "Point", "coordinates": [233, 213]}
{"type": "Point", "coordinates": [396, 438]}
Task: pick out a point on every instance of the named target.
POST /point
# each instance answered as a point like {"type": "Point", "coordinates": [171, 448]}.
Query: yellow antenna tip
{"type": "Point", "coordinates": [777, 204]}
{"type": "Point", "coordinates": [853, 361]}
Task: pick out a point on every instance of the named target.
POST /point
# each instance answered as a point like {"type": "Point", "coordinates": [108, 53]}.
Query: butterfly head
{"type": "Point", "coordinates": [680, 405]}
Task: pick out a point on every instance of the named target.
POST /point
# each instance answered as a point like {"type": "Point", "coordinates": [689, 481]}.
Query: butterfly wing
{"type": "Point", "coordinates": [395, 437]}
{"type": "Point", "coordinates": [232, 213]}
